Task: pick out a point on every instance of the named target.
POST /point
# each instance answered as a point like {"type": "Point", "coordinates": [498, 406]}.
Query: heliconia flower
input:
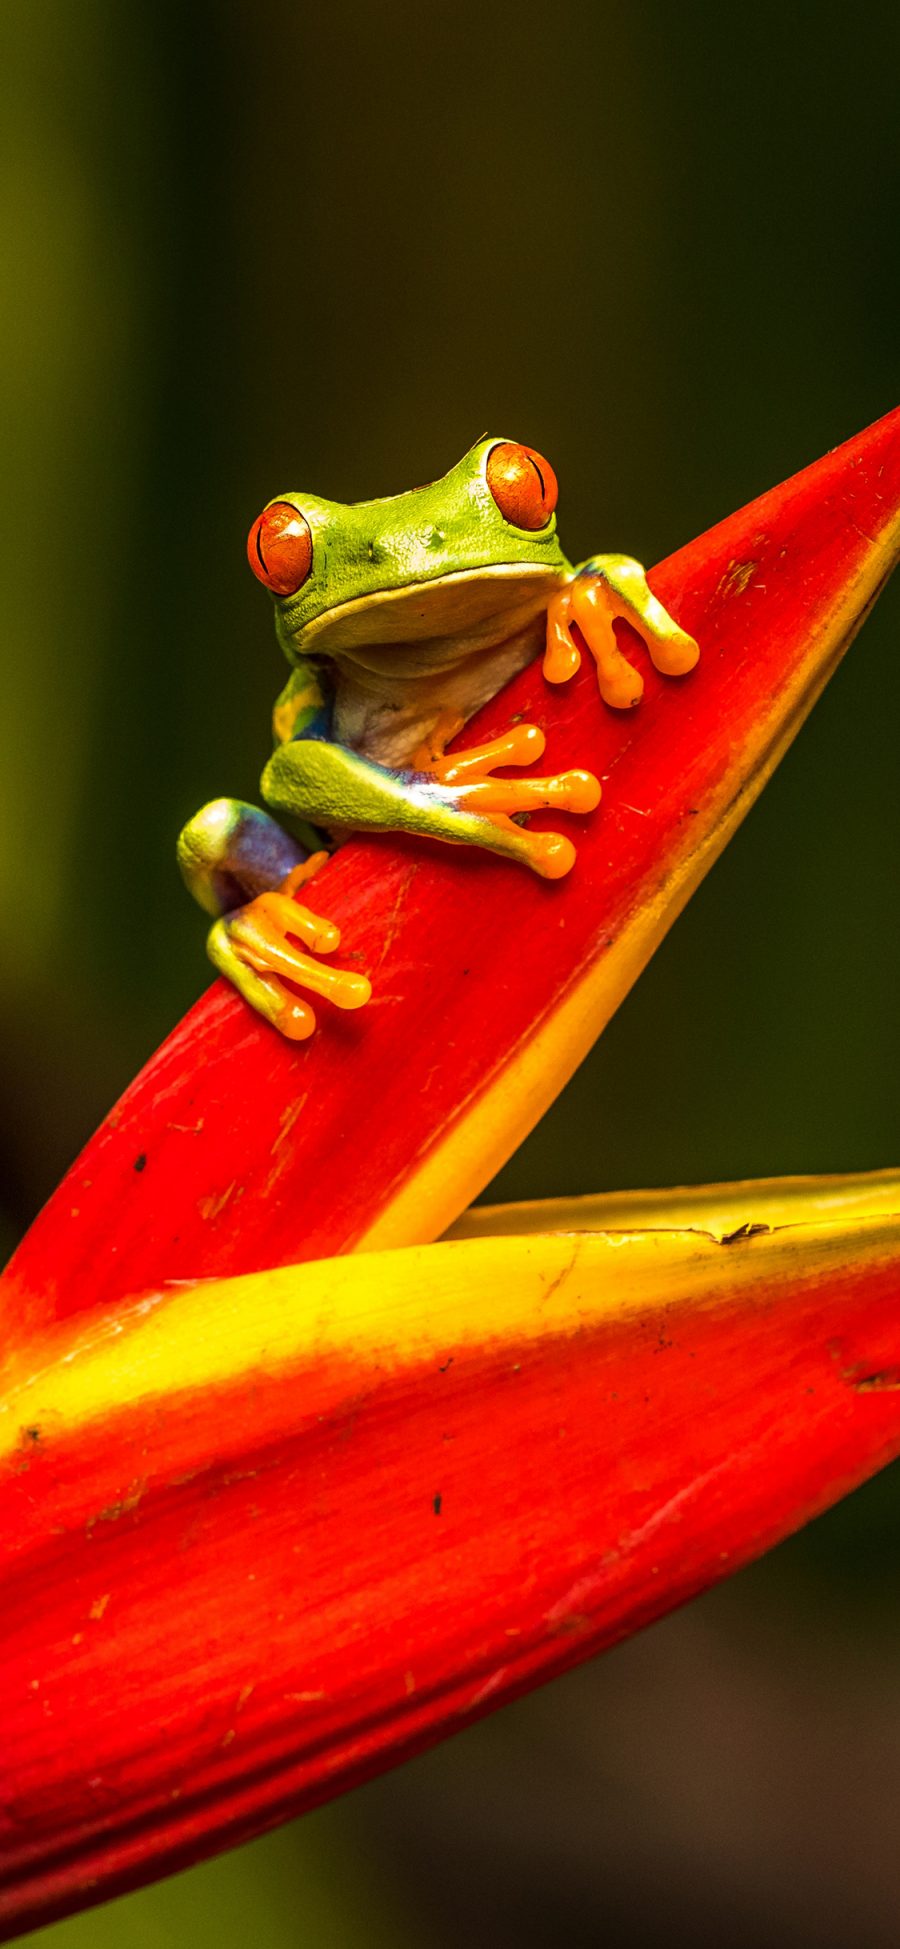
{"type": "Point", "coordinates": [287, 1492]}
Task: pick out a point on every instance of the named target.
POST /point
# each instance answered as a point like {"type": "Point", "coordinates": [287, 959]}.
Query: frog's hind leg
{"type": "Point", "coordinates": [242, 866]}
{"type": "Point", "coordinates": [229, 852]}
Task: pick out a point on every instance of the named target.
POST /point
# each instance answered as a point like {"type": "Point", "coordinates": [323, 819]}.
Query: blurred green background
{"type": "Point", "coordinates": [257, 246]}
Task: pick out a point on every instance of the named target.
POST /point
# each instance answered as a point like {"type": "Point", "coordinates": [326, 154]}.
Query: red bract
{"type": "Point", "coordinates": [234, 1149]}
{"type": "Point", "coordinates": [262, 1535]}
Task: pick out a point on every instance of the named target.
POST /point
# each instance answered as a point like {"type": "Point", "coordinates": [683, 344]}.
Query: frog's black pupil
{"type": "Point", "coordinates": [539, 475]}
{"type": "Point", "coordinates": [261, 556]}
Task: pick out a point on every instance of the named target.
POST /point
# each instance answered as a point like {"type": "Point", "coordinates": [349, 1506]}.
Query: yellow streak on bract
{"type": "Point", "coordinates": [720, 1209]}
{"type": "Point", "coordinates": [492, 1125]}
{"type": "Point", "coordinates": [399, 1309]}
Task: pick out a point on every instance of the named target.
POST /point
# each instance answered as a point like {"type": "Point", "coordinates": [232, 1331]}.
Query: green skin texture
{"type": "Point", "coordinates": [417, 606]}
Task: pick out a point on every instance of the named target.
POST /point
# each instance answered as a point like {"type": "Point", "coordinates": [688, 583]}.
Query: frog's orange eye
{"type": "Point", "coordinates": [279, 549]}
{"type": "Point", "coordinates": [523, 485]}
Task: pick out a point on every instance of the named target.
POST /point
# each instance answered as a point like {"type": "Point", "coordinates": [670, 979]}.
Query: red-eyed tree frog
{"type": "Point", "coordinates": [401, 617]}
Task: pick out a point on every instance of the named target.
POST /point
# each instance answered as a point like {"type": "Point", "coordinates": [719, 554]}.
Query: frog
{"type": "Point", "coordinates": [400, 617]}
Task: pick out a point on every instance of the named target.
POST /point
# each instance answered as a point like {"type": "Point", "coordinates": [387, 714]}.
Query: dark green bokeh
{"type": "Point", "coordinates": [253, 247]}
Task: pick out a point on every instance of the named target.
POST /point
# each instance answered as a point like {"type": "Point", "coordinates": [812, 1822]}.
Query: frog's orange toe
{"type": "Point", "coordinates": [270, 924]}
{"type": "Point", "coordinates": [469, 775]}
{"type": "Point", "coordinates": [562, 657]}
{"type": "Point", "coordinates": [676, 654]}
{"type": "Point", "coordinates": [292, 1017]}
{"type": "Point", "coordinates": [580, 791]}
{"type": "Point", "coordinates": [551, 854]}
{"type": "Point", "coordinates": [522, 744]}
{"type": "Point", "coordinates": [299, 876]}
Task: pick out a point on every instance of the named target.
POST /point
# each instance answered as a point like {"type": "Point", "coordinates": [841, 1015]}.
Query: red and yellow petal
{"type": "Point", "coordinates": [267, 1535]}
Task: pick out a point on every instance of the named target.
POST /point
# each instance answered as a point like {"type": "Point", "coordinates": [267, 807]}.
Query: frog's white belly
{"type": "Point", "coordinates": [387, 717]}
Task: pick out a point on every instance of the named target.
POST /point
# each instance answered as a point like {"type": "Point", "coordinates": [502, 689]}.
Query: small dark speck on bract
{"type": "Point", "coordinates": [140, 1161]}
{"type": "Point", "coordinates": [436, 1504]}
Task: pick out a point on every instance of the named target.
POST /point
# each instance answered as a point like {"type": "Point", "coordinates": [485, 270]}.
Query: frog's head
{"type": "Point", "coordinates": [418, 580]}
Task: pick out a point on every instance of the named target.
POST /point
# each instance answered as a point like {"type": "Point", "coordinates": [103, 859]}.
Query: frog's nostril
{"type": "Point", "coordinates": [280, 549]}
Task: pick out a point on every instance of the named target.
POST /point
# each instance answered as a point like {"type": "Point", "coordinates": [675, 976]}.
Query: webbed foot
{"type": "Point", "coordinates": [267, 948]}
{"type": "Point", "coordinates": [468, 783]}
{"type": "Point", "coordinates": [611, 587]}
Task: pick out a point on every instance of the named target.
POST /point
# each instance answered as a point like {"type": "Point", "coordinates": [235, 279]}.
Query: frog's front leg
{"type": "Point", "coordinates": [241, 866]}
{"type": "Point", "coordinates": [604, 589]}
{"type": "Point", "coordinates": [455, 798]}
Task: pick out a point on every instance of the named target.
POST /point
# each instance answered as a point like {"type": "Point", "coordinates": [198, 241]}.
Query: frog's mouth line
{"type": "Point", "coordinates": [447, 618]}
